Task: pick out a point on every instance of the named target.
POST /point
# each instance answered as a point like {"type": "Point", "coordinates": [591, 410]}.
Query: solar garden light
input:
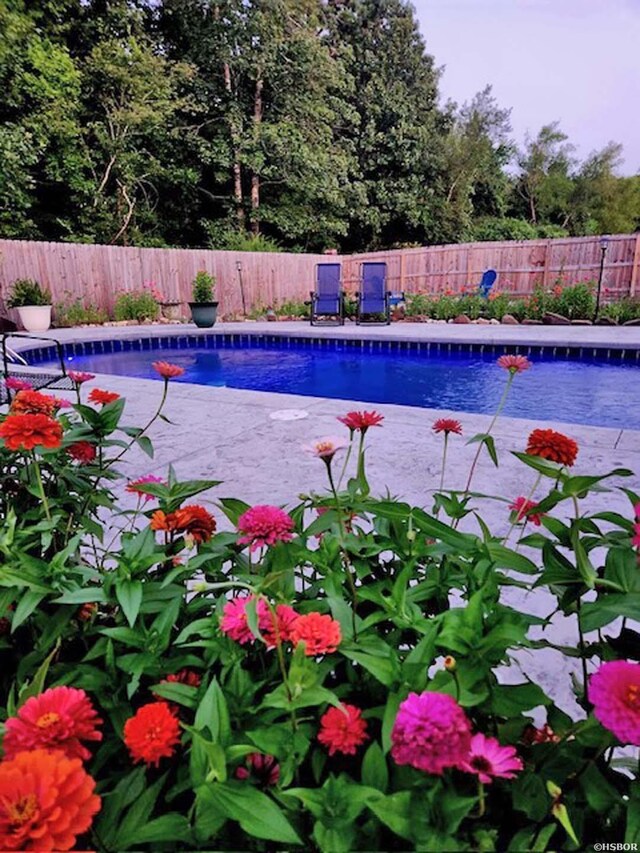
{"type": "Point", "coordinates": [604, 245]}
{"type": "Point", "coordinates": [244, 306]}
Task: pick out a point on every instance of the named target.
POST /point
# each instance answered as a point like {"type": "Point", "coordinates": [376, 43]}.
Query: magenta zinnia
{"type": "Point", "coordinates": [489, 760]}
{"type": "Point", "coordinates": [235, 625]}
{"type": "Point", "coordinates": [137, 487]}
{"type": "Point", "coordinates": [430, 733]}
{"type": "Point", "coordinates": [264, 525]}
{"type": "Point", "coordinates": [514, 363]}
{"type": "Point", "coordinates": [524, 511]}
{"type": "Point", "coordinates": [614, 691]}
{"type": "Point", "coordinates": [635, 541]}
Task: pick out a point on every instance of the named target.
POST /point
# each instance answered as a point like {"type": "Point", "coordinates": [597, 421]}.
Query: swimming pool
{"type": "Point", "coordinates": [589, 390]}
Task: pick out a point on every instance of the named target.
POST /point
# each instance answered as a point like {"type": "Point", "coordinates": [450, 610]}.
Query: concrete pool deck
{"type": "Point", "coordinates": [230, 435]}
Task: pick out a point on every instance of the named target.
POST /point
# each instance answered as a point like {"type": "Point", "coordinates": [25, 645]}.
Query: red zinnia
{"type": "Point", "coordinates": [549, 444]}
{"type": "Point", "coordinates": [24, 432]}
{"type": "Point", "coordinates": [361, 421]}
{"type": "Point", "coordinates": [320, 633]}
{"type": "Point", "coordinates": [103, 398]}
{"type": "Point", "coordinates": [152, 733]}
{"type": "Point", "coordinates": [46, 801]}
{"type": "Point", "coordinates": [184, 676]}
{"type": "Point", "coordinates": [514, 363]}
{"type": "Point", "coordinates": [447, 425]}
{"type": "Point", "coordinates": [59, 718]}
{"type": "Point", "coordinates": [166, 370]}
{"type": "Point", "coordinates": [343, 729]}
{"type": "Point", "coordinates": [33, 403]}
{"type": "Point", "coordinates": [82, 451]}
{"type": "Point", "coordinates": [264, 525]}
{"type": "Point", "coordinates": [524, 511]}
{"type": "Point", "coordinates": [192, 520]}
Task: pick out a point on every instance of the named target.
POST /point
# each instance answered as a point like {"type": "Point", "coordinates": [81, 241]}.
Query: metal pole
{"type": "Point", "coordinates": [603, 251]}
{"type": "Point", "coordinates": [244, 305]}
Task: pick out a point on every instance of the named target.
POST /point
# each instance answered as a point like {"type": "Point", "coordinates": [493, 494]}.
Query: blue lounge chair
{"type": "Point", "coordinates": [327, 300]}
{"type": "Point", "coordinates": [486, 283]}
{"type": "Point", "coordinates": [373, 298]}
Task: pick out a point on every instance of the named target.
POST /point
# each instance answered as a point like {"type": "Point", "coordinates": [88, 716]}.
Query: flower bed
{"type": "Point", "coordinates": [180, 676]}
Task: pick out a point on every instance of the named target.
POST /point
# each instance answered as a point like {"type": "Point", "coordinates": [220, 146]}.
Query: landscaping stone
{"type": "Point", "coordinates": [552, 319]}
{"type": "Point", "coordinates": [581, 323]}
{"type": "Point", "coordinates": [494, 321]}
{"type": "Point", "coordinates": [531, 322]}
{"type": "Point", "coordinates": [635, 322]}
{"type": "Point", "coordinates": [509, 320]}
{"type": "Point", "coordinates": [461, 319]}
{"type": "Point", "coordinates": [606, 321]}
{"type": "Point", "coordinates": [482, 321]}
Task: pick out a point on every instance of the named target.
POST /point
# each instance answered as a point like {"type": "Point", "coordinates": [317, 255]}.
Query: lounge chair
{"type": "Point", "coordinates": [16, 367]}
{"type": "Point", "coordinates": [486, 283]}
{"type": "Point", "coordinates": [373, 297]}
{"type": "Point", "coordinates": [327, 301]}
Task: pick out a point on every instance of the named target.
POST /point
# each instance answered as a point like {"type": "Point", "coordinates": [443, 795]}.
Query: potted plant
{"type": "Point", "coordinates": [204, 309]}
{"type": "Point", "coordinates": [33, 303]}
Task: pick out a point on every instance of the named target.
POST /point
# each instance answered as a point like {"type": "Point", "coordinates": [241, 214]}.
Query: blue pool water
{"type": "Point", "coordinates": [601, 393]}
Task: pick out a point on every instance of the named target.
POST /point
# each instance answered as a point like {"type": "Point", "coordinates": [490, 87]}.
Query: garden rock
{"type": "Point", "coordinates": [635, 322]}
{"type": "Point", "coordinates": [552, 319]}
{"type": "Point", "coordinates": [461, 319]}
{"type": "Point", "coordinates": [581, 323]}
{"type": "Point", "coordinates": [482, 321]}
{"type": "Point", "coordinates": [529, 321]}
{"type": "Point", "coordinates": [606, 321]}
{"type": "Point", "coordinates": [509, 320]}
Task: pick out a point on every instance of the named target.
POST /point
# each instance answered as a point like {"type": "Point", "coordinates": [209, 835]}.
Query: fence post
{"type": "Point", "coordinates": [635, 268]}
{"type": "Point", "coordinates": [545, 274]}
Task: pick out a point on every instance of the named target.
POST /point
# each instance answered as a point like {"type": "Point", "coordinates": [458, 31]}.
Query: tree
{"type": "Point", "coordinates": [544, 181]}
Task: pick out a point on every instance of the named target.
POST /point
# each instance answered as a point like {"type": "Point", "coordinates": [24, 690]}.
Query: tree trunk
{"type": "Point", "coordinates": [255, 177]}
{"type": "Point", "coordinates": [234, 133]}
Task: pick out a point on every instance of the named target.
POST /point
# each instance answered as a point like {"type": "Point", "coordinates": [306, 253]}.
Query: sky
{"type": "Point", "coordinates": [576, 61]}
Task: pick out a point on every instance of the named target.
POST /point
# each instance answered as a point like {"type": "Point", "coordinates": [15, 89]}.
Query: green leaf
{"type": "Point", "coordinates": [596, 614]}
{"type": "Point", "coordinates": [257, 814]}
{"type": "Point", "coordinates": [233, 509]}
{"type": "Point", "coordinates": [129, 595]}
{"type": "Point", "coordinates": [83, 596]}
{"type": "Point", "coordinates": [168, 827]}
{"type": "Point", "coordinates": [25, 607]}
{"type": "Point", "coordinates": [510, 700]}
{"type": "Point", "coordinates": [395, 812]}
{"type": "Point", "coordinates": [138, 815]}
{"type": "Point", "coordinates": [144, 443]}
{"type": "Point", "coordinates": [213, 714]}
{"type": "Point", "coordinates": [375, 772]}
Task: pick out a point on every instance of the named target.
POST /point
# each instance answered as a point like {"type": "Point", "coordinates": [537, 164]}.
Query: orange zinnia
{"type": "Point", "coordinates": [549, 444]}
{"type": "Point", "coordinates": [96, 395]}
{"type": "Point", "coordinates": [166, 370]}
{"type": "Point", "coordinates": [321, 634]}
{"type": "Point", "coordinates": [24, 432]}
{"type": "Point", "coordinates": [192, 520]}
{"type": "Point", "coordinates": [46, 801]}
{"type": "Point", "coordinates": [152, 733]}
{"type": "Point", "coordinates": [33, 403]}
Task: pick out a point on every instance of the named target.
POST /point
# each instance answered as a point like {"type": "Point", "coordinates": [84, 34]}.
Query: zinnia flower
{"type": "Point", "coordinates": [82, 451]}
{"type": "Point", "coordinates": [46, 801]}
{"type": "Point", "coordinates": [489, 760]}
{"type": "Point", "coordinates": [549, 444]}
{"type": "Point", "coordinates": [361, 421]}
{"type": "Point", "coordinates": [234, 621]}
{"type": "Point", "coordinates": [447, 425]}
{"type": "Point", "coordinates": [263, 768]}
{"type": "Point", "coordinates": [325, 448]}
{"type": "Point", "coordinates": [523, 509]}
{"type": "Point", "coordinates": [545, 734]}
{"type": "Point", "coordinates": [320, 633]}
{"type": "Point", "coordinates": [152, 733]}
{"type": "Point", "coordinates": [103, 398]}
{"type": "Point", "coordinates": [430, 733]}
{"type": "Point", "coordinates": [79, 376]}
{"type": "Point", "coordinates": [24, 432]}
{"type": "Point", "coordinates": [15, 384]}
{"type": "Point", "coordinates": [136, 487]}
{"type": "Point", "coordinates": [166, 370]}
{"type": "Point", "coordinates": [33, 403]}
{"type": "Point", "coordinates": [343, 729]}
{"type": "Point", "coordinates": [193, 520]}
{"type": "Point", "coordinates": [614, 691]}
{"type": "Point", "coordinates": [514, 363]}
{"type": "Point", "coordinates": [184, 676]}
{"type": "Point", "coordinates": [635, 541]}
{"type": "Point", "coordinates": [59, 718]}
{"type": "Point", "coordinates": [264, 525]}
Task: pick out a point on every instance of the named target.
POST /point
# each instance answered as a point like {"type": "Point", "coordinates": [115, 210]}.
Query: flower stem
{"type": "Point", "coordinates": [343, 533]}
{"type": "Point", "coordinates": [529, 498]}
{"type": "Point", "coordinates": [497, 414]}
{"type": "Point", "coordinates": [38, 473]}
{"type": "Point", "coordinates": [346, 459]}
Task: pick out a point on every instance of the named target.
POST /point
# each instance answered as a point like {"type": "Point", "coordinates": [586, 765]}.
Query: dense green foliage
{"type": "Point", "coordinates": [261, 124]}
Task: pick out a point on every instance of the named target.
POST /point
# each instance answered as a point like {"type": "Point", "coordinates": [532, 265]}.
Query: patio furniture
{"type": "Point", "coordinates": [327, 301]}
{"type": "Point", "coordinates": [373, 296]}
{"type": "Point", "coordinates": [16, 367]}
{"type": "Point", "coordinates": [486, 282]}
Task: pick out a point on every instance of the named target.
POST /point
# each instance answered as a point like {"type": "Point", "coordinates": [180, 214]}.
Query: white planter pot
{"type": "Point", "coordinates": [35, 318]}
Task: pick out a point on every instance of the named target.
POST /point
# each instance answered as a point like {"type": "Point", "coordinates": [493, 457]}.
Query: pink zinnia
{"type": "Point", "coordinates": [514, 363]}
{"type": "Point", "coordinates": [614, 691]}
{"type": "Point", "coordinates": [447, 425]}
{"type": "Point", "coordinates": [235, 625]}
{"type": "Point", "coordinates": [264, 769]}
{"type": "Point", "coordinates": [16, 384]}
{"type": "Point", "coordinates": [523, 509]}
{"type": "Point", "coordinates": [361, 421]}
{"type": "Point", "coordinates": [635, 541]}
{"type": "Point", "coordinates": [264, 525]}
{"type": "Point", "coordinates": [430, 732]}
{"type": "Point", "coordinates": [489, 760]}
{"type": "Point", "coordinates": [325, 448]}
{"type": "Point", "coordinates": [79, 376]}
{"type": "Point", "coordinates": [59, 718]}
{"type": "Point", "coordinates": [136, 487]}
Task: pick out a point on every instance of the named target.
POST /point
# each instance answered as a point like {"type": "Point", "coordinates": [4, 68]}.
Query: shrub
{"type": "Point", "coordinates": [136, 305]}
{"type": "Point", "coordinates": [498, 229]}
{"type": "Point", "coordinates": [577, 302]}
{"type": "Point", "coordinates": [203, 287]}
{"type": "Point", "coordinates": [74, 312]}
{"type": "Point", "coordinates": [325, 678]}
{"type": "Point", "coordinates": [27, 291]}
{"type": "Point", "coordinates": [292, 308]}
{"type": "Point", "coordinates": [418, 305]}
{"type": "Point", "coordinates": [626, 309]}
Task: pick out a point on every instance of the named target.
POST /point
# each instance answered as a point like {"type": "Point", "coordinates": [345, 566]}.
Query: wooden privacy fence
{"type": "Point", "coordinates": [97, 274]}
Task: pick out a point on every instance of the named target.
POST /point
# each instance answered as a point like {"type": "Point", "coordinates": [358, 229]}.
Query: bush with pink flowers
{"type": "Point", "coordinates": [194, 673]}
